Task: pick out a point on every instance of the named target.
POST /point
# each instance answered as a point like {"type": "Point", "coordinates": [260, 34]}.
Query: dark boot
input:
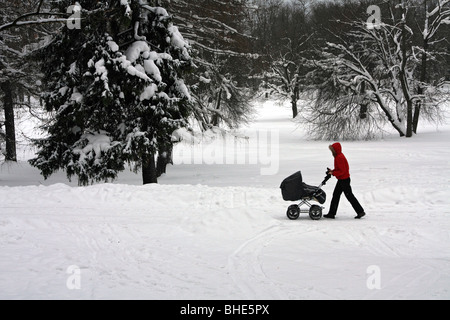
{"type": "Point", "coordinates": [360, 215]}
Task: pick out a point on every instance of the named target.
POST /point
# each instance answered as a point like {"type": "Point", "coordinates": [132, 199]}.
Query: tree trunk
{"type": "Point", "coordinates": [409, 120]}
{"type": "Point", "coordinates": [10, 130]}
{"type": "Point", "coordinates": [164, 158]}
{"type": "Point", "coordinates": [404, 83]}
{"type": "Point", "coordinates": [149, 169]}
{"type": "Point", "coordinates": [296, 96]}
{"type": "Point", "coordinates": [364, 106]}
{"type": "Point", "coordinates": [420, 91]}
{"type": "Point", "coordinates": [388, 114]}
{"type": "Point", "coordinates": [294, 108]}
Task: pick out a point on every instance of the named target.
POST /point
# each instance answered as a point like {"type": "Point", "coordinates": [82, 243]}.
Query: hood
{"type": "Point", "coordinates": [337, 148]}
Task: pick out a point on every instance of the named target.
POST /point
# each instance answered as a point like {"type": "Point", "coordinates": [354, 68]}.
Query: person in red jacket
{"type": "Point", "coordinates": [342, 172]}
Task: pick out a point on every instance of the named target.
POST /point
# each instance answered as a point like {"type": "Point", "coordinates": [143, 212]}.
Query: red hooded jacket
{"type": "Point", "coordinates": [341, 168]}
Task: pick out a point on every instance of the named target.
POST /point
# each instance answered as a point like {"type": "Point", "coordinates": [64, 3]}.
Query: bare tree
{"type": "Point", "coordinates": [284, 38]}
{"type": "Point", "coordinates": [382, 67]}
{"type": "Point", "coordinates": [23, 24]}
{"type": "Point", "coordinates": [285, 80]}
{"type": "Point", "coordinates": [437, 14]}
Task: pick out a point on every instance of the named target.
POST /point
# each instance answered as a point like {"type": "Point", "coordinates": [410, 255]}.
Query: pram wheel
{"type": "Point", "coordinates": [315, 212]}
{"type": "Point", "coordinates": [293, 212]}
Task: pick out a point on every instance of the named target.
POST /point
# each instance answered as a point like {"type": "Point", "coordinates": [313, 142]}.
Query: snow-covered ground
{"type": "Point", "coordinates": [213, 231]}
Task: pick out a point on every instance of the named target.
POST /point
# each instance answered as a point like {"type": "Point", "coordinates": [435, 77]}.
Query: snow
{"type": "Point", "coordinates": [148, 92]}
{"type": "Point", "coordinates": [73, 68]}
{"type": "Point", "coordinates": [134, 52]}
{"type": "Point", "coordinates": [182, 88]}
{"type": "Point", "coordinates": [204, 80]}
{"type": "Point", "coordinates": [126, 64]}
{"type": "Point", "coordinates": [100, 69]}
{"type": "Point", "coordinates": [159, 11]}
{"type": "Point", "coordinates": [177, 40]}
{"type": "Point", "coordinates": [113, 45]}
{"type": "Point", "coordinates": [136, 48]}
{"type": "Point", "coordinates": [152, 70]}
{"type": "Point", "coordinates": [96, 143]}
{"type": "Point", "coordinates": [63, 90]}
{"type": "Point", "coordinates": [220, 231]}
{"type": "Point", "coordinates": [77, 97]}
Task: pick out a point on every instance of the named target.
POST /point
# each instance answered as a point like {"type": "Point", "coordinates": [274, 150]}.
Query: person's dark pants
{"type": "Point", "coordinates": [344, 186]}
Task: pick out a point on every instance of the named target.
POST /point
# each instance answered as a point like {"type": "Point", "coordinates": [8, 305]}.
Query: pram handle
{"type": "Point", "coordinates": [328, 177]}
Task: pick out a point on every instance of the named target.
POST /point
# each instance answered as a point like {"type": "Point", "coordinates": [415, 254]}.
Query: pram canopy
{"type": "Point", "coordinates": [293, 189]}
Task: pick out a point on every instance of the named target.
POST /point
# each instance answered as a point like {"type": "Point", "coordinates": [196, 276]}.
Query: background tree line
{"type": "Point", "coordinates": [351, 78]}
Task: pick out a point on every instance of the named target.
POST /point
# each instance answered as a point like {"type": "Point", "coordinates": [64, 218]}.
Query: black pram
{"type": "Point", "coordinates": [294, 189]}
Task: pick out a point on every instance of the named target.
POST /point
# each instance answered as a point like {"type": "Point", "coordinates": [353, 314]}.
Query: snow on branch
{"type": "Point", "coordinates": [439, 15]}
{"type": "Point", "coordinates": [225, 52]}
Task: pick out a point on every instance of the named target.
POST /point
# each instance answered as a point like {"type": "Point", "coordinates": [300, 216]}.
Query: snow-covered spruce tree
{"type": "Point", "coordinates": [116, 92]}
